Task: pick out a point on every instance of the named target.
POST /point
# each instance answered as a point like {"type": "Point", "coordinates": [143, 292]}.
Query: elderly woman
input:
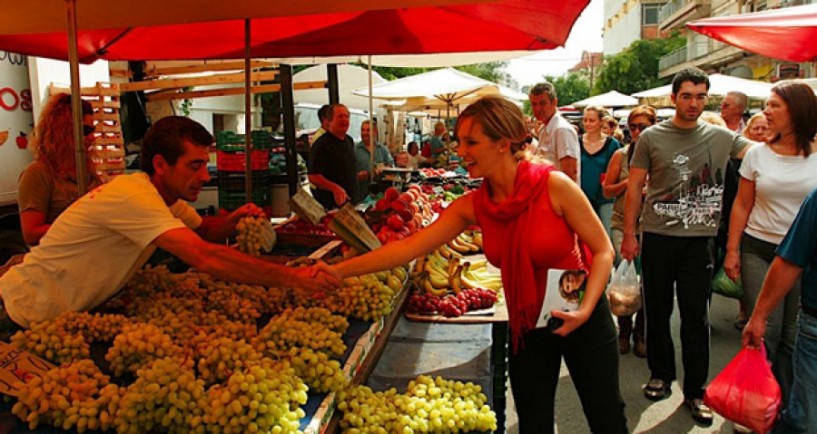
{"type": "Point", "coordinates": [517, 199]}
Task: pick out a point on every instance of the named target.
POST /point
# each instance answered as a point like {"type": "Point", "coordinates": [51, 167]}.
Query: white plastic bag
{"type": "Point", "coordinates": [624, 290]}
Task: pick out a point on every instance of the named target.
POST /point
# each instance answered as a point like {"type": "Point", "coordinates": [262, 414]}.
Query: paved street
{"type": "Point", "coordinates": [644, 416]}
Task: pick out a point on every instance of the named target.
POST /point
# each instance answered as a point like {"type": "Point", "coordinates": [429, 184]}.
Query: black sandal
{"type": "Point", "coordinates": [657, 389]}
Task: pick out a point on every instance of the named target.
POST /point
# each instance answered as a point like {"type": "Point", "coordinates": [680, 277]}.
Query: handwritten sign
{"type": "Point", "coordinates": [18, 367]}
{"type": "Point", "coordinates": [348, 218]}
{"type": "Point", "coordinates": [307, 207]}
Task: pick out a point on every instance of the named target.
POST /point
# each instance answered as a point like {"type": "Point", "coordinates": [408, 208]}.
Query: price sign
{"type": "Point", "coordinates": [18, 367]}
{"type": "Point", "coordinates": [307, 207]}
{"type": "Point", "coordinates": [351, 224]}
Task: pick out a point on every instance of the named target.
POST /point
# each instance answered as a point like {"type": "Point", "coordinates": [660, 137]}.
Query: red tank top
{"type": "Point", "coordinates": [552, 243]}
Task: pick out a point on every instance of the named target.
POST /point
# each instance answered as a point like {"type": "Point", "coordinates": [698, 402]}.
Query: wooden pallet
{"type": "Point", "coordinates": [108, 149]}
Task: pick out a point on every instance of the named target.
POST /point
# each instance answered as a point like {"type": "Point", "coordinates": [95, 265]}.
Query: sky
{"type": "Point", "coordinates": [586, 35]}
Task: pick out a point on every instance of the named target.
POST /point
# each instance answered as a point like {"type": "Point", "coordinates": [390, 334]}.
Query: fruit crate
{"type": "Point", "coordinates": [229, 200]}
{"type": "Point", "coordinates": [236, 181]}
{"type": "Point", "coordinates": [231, 152]}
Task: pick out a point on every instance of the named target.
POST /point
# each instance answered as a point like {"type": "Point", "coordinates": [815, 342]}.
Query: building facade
{"type": "Point", "coordinates": [715, 56]}
{"type": "Point", "coordinates": [626, 21]}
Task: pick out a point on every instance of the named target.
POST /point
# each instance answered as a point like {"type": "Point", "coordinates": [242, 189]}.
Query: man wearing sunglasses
{"type": "Point", "coordinates": [685, 160]}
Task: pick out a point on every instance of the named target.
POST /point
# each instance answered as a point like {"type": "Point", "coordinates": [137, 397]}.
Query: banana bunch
{"type": "Point", "coordinates": [443, 271]}
{"type": "Point", "coordinates": [466, 242]}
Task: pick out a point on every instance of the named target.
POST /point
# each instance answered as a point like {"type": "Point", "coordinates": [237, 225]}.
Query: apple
{"type": "Point", "coordinates": [22, 140]}
{"type": "Point", "coordinates": [395, 222]}
{"type": "Point", "coordinates": [391, 194]}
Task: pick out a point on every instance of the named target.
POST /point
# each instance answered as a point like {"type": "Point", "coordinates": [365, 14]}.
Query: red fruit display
{"type": "Point", "coordinates": [395, 222]}
{"type": "Point", "coordinates": [391, 194]}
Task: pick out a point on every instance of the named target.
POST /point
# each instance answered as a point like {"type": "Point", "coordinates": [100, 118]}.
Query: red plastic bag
{"type": "Point", "coordinates": [746, 391]}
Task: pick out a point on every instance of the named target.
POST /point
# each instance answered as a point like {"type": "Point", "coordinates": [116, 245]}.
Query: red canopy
{"type": "Point", "coordinates": [495, 26]}
{"type": "Point", "coordinates": [785, 34]}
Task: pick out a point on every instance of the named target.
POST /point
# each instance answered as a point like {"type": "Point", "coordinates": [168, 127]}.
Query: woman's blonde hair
{"type": "Point", "coordinates": [613, 124]}
{"type": "Point", "coordinates": [751, 122]}
{"type": "Point", "coordinates": [53, 138]}
{"type": "Point", "coordinates": [500, 119]}
{"type": "Point", "coordinates": [713, 119]}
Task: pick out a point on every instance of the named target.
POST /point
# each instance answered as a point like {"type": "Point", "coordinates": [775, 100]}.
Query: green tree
{"type": "Point", "coordinates": [570, 88]}
{"type": "Point", "coordinates": [636, 68]}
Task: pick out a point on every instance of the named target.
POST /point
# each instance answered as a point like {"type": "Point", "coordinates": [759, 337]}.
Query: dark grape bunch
{"type": "Point", "coordinates": [452, 305]}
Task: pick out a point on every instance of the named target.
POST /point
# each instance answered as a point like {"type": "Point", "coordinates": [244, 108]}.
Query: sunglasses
{"type": "Point", "coordinates": [638, 127]}
{"type": "Point", "coordinates": [88, 129]}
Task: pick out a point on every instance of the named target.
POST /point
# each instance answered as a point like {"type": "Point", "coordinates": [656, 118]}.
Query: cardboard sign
{"type": "Point", "coordinates": [307, 207]}
{"type": "Point", "coordinates": [353, 229]}
{"type": "Point", "coordinates": [18, 367]}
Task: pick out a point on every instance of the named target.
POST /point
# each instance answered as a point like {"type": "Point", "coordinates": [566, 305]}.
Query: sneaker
{"type": "Point", "coordinates": [657, 389]}
{"type": "Point", "coordinates": [623, 345]}
{"type": "Point", "coordinates": [699, 411]}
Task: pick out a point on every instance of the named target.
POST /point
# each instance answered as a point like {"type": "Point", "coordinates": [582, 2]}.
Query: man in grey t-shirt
{"type": "Point", "coordinates": [685, 161]}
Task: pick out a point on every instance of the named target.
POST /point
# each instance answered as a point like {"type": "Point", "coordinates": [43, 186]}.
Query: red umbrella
{"type": "Point", "coordinates": [785, 34]}
{"type": "Point", "coordinates": [496, 26]}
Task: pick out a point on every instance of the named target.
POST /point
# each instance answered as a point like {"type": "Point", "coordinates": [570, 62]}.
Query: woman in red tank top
{"type": "Point", "coordinates": [533, 218]}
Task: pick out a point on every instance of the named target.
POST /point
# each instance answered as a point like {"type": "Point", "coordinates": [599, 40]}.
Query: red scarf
{"type": "Point", "coordinates": [518, 278]}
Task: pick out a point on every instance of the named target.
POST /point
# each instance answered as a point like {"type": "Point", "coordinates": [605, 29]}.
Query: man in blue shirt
{"type": "Point", "coordinates": [796, 256]}
{"type": "Point", "coordinates": [363, 152]}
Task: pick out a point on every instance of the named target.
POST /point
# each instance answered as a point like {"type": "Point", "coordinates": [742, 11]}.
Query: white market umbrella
{"type": "Point", "coordinates": [719, 85]}
{"type": "Point", "coordinates": [610, 99]}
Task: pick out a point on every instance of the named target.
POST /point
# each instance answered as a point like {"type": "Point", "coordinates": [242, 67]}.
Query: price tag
{"type": "Point", "coordinates": [307, 207]}
{"type": "Point", "coordinates": [349, 223]}
{"type": "Point", "coordinates": [18, 367]}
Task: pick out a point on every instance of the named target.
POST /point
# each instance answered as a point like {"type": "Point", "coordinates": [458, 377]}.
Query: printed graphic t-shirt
{"type": "Point", "coordinates": [686, 173]}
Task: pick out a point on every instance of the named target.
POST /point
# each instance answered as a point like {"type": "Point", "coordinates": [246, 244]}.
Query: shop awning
{"type": "Point", "coordinates": [785, 34]}
{"type": "Point", "coordinates": [494, 26]}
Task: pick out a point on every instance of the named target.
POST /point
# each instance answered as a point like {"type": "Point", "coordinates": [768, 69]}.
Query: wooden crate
{"type": "Point", "coordinates": [108, 149]}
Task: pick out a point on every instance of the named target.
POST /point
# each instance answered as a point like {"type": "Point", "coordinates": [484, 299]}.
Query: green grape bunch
{"type": "Point", "coordinates": [255, 233]}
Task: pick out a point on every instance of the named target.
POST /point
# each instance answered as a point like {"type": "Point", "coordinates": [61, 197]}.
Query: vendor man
{"type": "Point", "coordinates": [363, 158]}
{"type": "Point", "coordinates": [332, 161]}
{"type": "Point", "coordinates": [94, 247]}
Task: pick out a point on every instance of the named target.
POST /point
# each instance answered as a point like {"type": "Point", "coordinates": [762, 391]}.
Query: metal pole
{"type": "Point", "coordinates": [372, 126]}
{"type": "Point", "coordinates": [76, 102]}
{"type": "Point", "coordinates": [247, 113]}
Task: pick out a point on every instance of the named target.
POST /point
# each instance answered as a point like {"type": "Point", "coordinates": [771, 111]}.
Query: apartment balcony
{"type": "Point", "coordinates": [706, 55]}
{"type": "Point", "coordinates": [676, 13]}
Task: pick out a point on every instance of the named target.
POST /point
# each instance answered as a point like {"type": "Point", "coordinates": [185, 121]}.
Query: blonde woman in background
{"type": "Point", "coordinates": [611, 128]}
{"type": "Point", "coordinates": [49, 184]}
{"type": "Point", "coordinates": [596, 150]}
{"type": "Point", "coordinates": [757, 128]}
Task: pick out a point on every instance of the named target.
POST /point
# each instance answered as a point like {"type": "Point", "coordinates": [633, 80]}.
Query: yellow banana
{"type": "Point", "coordinates": [445, 252]}
{"type": "Point", "coordinates": [419, 265]}
{"type": "Point", "coordinates": [479, 265]}
{"type": "Point", "coordinates": [477, 239]}
{"type": "Point", "coordinates": [466, 241]}
{"type": "Point", "coordinates": [458, 247]}
{"type": "Point", "coordinates": [430, 289]}
{"type": "Point", "coordinates": [465, 283]}
{"type": "Point", "coordinates": [452, 265]}
{"type": "Point", "coordinates": [455, 279]}
{"type": "Point", "coordinates": [438, 279]}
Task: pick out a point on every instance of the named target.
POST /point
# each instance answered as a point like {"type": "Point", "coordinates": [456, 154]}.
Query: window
{"type": "Point", "coordinates": [649, 14]}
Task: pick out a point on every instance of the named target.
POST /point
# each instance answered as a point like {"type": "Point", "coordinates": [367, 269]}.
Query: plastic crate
{"type": "Point", "coordinates": [230, 141]}
{"type": "Point", "coordinates": [236, 161]}
{"type": "Point", "coordinates": [236, 181]}
{"type": "Point", "coordinates": [229, 200]}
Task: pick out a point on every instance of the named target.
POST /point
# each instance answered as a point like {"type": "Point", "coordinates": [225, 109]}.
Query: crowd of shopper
{"type": "Point", "coordinates": [682, 198]}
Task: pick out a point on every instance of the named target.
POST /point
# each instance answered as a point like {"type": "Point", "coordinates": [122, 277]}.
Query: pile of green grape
{"type": "Point", "coordinates": [254, 234]}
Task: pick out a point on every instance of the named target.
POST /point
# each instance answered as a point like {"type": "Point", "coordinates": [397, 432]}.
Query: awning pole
{"type": "Point", "coordinates": [76, 95]}
{"type": "Point", "coordinates": [247, 114]}
{"type": "Point", "coordinates": [372, 126]}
